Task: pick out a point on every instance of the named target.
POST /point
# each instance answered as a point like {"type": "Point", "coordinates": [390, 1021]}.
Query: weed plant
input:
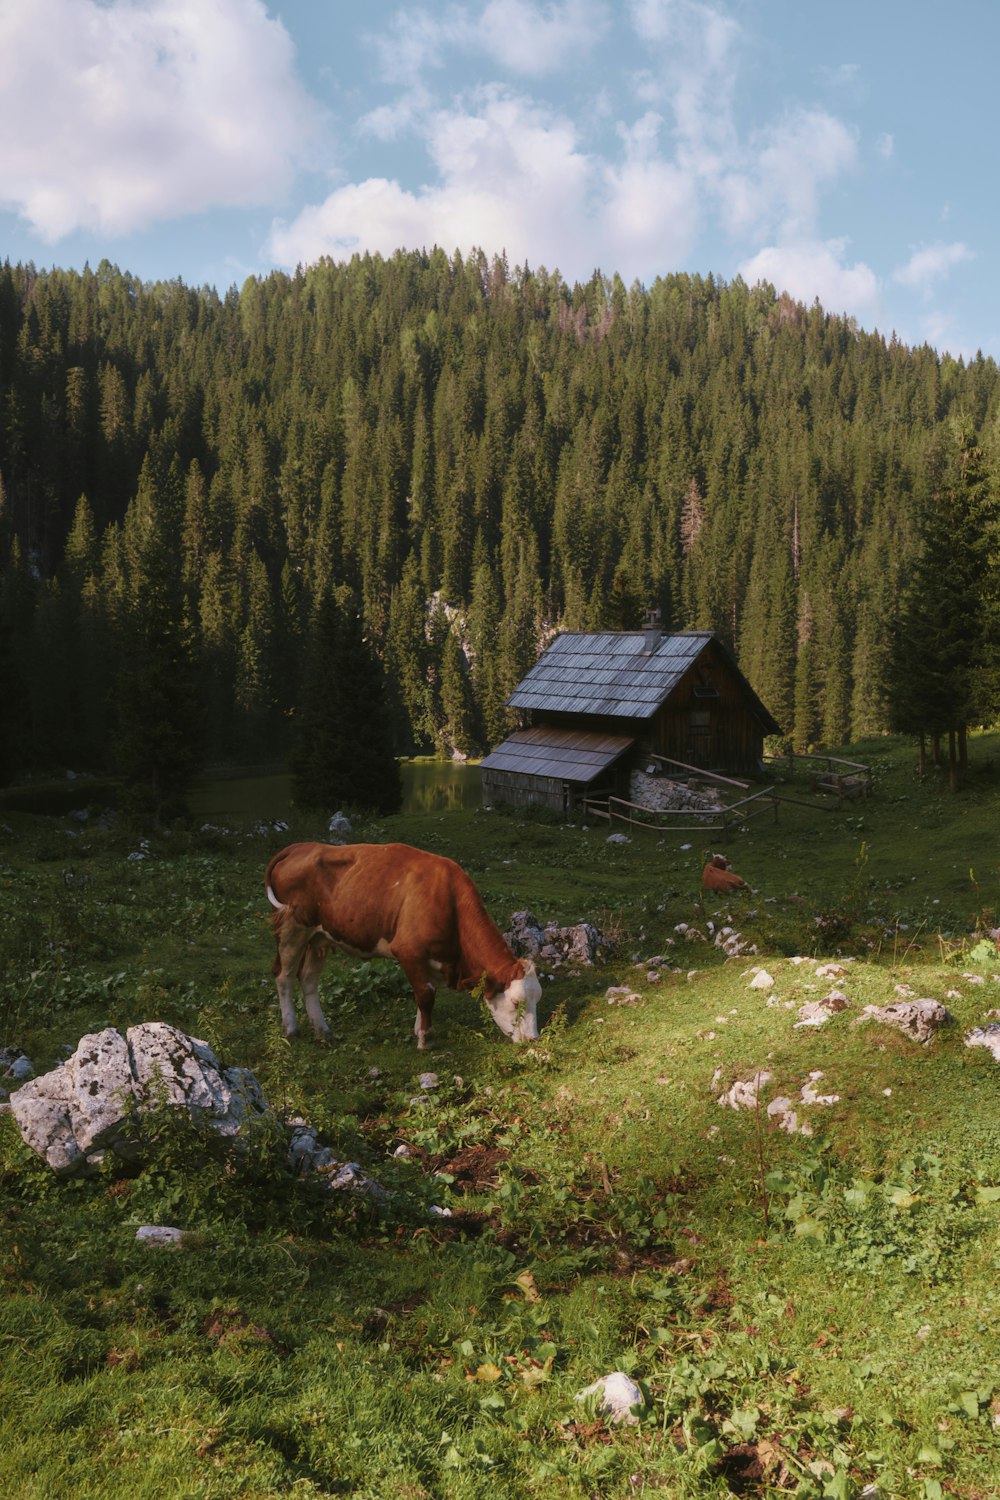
{"type": "Point", "coordinates": [805, 1315]}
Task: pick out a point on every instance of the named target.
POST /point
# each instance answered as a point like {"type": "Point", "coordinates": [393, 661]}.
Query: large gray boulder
{"type": "Point", "coordinates": [93, 1102]}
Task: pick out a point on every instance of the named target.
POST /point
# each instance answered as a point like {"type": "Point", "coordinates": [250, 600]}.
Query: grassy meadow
{"type": "Point", "coordinates": [811, 1315]}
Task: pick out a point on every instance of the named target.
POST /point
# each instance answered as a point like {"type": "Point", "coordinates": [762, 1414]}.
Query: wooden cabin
{"type": "Point", "coordinates": [598, 706]}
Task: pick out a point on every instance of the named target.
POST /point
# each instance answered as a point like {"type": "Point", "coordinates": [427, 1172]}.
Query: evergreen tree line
{"type": "Point", "coordinates": [396, 477]}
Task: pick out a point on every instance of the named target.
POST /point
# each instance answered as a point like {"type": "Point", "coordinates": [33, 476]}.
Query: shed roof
{"type": "Point", "coordinates": [614, 674]}
{"type": "Point", "coordinates": [568, 754]}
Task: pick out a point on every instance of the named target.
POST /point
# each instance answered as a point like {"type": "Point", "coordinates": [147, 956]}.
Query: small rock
{"type": "Point", "coordinates": [986, 1036]}
{"type": "Point", "coordinates": [618, 1394]}
{"type": "Point", "coordinates": [340, 827]}
{"type": "Point", "coordinates": [762, 980]}
{"type": "Point", "coordinates": [428, 1080]}
{"type": "Point", "coordinates": [160, 1235]}
{"type": "Point", "coordinates": [618, 838]}
{"type": "Point", "coordinates": [919, 1019]}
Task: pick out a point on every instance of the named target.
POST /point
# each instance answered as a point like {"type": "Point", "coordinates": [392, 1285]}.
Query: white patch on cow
{"type": "Point", "coordinates": [434, 964]}
{"type": "Point", "coordinates": [515, 1011]}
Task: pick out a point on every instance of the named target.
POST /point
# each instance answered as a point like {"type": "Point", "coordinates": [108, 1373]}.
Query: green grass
{"type": "Point", "coordinates": [806, 1315]}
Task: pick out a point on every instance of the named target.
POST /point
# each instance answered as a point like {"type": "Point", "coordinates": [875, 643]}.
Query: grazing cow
{"type": "Point", "coordinates": [393, 901]}
{"type": "Point", "coordinates": [719, 876]}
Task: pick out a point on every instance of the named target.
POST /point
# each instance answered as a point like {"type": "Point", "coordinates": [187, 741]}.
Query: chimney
{"type": "Point", "coordinates": [652, 632]}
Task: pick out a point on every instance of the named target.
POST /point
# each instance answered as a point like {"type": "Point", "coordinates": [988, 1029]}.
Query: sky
{"type": "Point", "coordinates": [845, 152]}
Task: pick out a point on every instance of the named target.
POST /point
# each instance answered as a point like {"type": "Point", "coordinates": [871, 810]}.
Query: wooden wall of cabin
{"type": "Point", "coordinates": [707, 722]}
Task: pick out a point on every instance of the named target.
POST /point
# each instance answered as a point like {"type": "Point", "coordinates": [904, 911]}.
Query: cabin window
{"type": "Point", "coordinates": [701, 720]}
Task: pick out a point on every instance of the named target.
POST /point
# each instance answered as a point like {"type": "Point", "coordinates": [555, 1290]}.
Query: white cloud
{"type": "Point", "coordinates": [797, 158]}
{"type": "Point", "coordinates": [116, 115]}
{"type": "Point", "coordinates": [512, 176]}
{"type": "Point", "coordinates": [692, 66]}
{"type": "Point", "coordinates": [810, 269]}
{"type": "Point", "coordinates": [532, 40]}
{"type": "Point", "coordinates": [415, 41]}
{"type": "Point", "coordinates": [930, 265]}
{"type": "Point", "coordinates": [886, 146]}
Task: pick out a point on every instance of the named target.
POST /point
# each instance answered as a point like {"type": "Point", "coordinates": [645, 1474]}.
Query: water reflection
{"type": "Point", "coordinates": [440, 786]}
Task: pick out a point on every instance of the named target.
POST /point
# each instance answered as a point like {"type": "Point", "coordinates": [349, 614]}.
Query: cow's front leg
{"type": "Point", "coordinates": [422, 1030]}
{"type": "Point", "coordinates": [310, 969]}
{"type": "Point", "coordinates": [415, 970]}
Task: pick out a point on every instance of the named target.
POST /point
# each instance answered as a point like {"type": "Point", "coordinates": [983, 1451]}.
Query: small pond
{"type": "Point", "coordinates": [428, 786]}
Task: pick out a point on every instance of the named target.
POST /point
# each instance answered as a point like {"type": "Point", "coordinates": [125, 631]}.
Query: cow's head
{"type": "Point", "coordinates": [515, 1009]}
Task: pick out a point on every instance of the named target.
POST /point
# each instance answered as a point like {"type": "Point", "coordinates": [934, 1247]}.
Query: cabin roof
{"type": "Point", "coordinates": [615, 674]}
{"type": "Point", "coordinates": [568, 754]}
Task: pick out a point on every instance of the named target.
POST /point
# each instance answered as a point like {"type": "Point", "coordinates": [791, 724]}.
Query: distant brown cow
{"type": "Point", "coordinates": [720, 877]}
{"type": "Point", "coordinates": [393, 901]}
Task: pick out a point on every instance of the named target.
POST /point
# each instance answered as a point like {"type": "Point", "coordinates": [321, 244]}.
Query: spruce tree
{"type": "Point", "coordinates": [343, 753]}
{"type": "Point", "coordinates": [158, 731]}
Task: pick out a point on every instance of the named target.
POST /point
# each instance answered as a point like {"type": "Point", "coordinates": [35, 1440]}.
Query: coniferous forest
{"type": "Point", "coordinates": [391, 480]}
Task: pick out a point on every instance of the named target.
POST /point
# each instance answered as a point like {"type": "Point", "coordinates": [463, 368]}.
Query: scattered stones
{"type": "Point", "coordinates": [732, 944]}
{"type": "Point", "coordinates": [745, 1092]}
{"type": "Point", "coordinates": [621, 994]}
{"type": "Point", "coordinates": [618, 838]}
{"type": "Point", "coordinates": [919, 1019]}
{"type": "Point", "coordinates": [831, 971]}
{"type": "Point", "coordinates": [782, 1112]}
{"type": "Point", "coordinates": [428, 1080]}
{"type": "Point", "coordinates": [580, 944]}
{"type": "Point", "coordinates": [762, 980]}
{"type": "Point", "coordinates": [307, 1153]}
{"type": "Point", "coordinates": [986, 1036]}
{"type": "Point", "coordinates": [809, 1095]}
{"type": "Point", "coordinates": [617, 1394]}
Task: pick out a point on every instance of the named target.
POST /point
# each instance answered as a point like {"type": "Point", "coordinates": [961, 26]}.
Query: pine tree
{"type": "Point", "coordinates": [343, 754]}
{"type": "Point", "coordinates": [157, 737]}
{"type": "Point", "coordinates": [457, 731]}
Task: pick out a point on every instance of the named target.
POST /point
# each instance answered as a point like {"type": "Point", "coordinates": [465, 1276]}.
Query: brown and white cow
{"type": "Point", "coordinates": [719, 876]}
{"type": "Point", "coordinates": [393, 901]}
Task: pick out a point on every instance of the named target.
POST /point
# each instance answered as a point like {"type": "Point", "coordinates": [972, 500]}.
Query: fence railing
{"type": "Point", "coordinates": [847, 779]}
{"type": "Point", "coordinates": [710, 819]}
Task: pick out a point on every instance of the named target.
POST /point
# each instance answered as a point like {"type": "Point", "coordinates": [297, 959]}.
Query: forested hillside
{"type": "Point", "coordinates": [482, 454]}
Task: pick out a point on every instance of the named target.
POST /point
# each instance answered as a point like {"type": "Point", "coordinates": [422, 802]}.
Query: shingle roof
{"type": "Point", "coordinates": [608, 673]}
{"type": "Point", "coordinates": [567, 754]}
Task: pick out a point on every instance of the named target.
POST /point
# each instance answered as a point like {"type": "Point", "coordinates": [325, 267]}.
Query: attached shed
{"type": "Point", "coordinates": [598, 705]}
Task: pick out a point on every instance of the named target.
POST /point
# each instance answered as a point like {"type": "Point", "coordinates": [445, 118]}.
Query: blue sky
{"type": "Point", "coordinates": [845, 152]}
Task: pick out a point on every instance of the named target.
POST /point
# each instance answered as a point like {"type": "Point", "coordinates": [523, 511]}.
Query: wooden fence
{"type": "Point", "coordinates": [721, 819]}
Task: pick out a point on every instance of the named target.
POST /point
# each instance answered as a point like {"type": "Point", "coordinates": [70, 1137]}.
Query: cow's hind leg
{"type": "Point", "coordinates": [310, 969]}
{"type": "Point", "coordinates": [291, 940]}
